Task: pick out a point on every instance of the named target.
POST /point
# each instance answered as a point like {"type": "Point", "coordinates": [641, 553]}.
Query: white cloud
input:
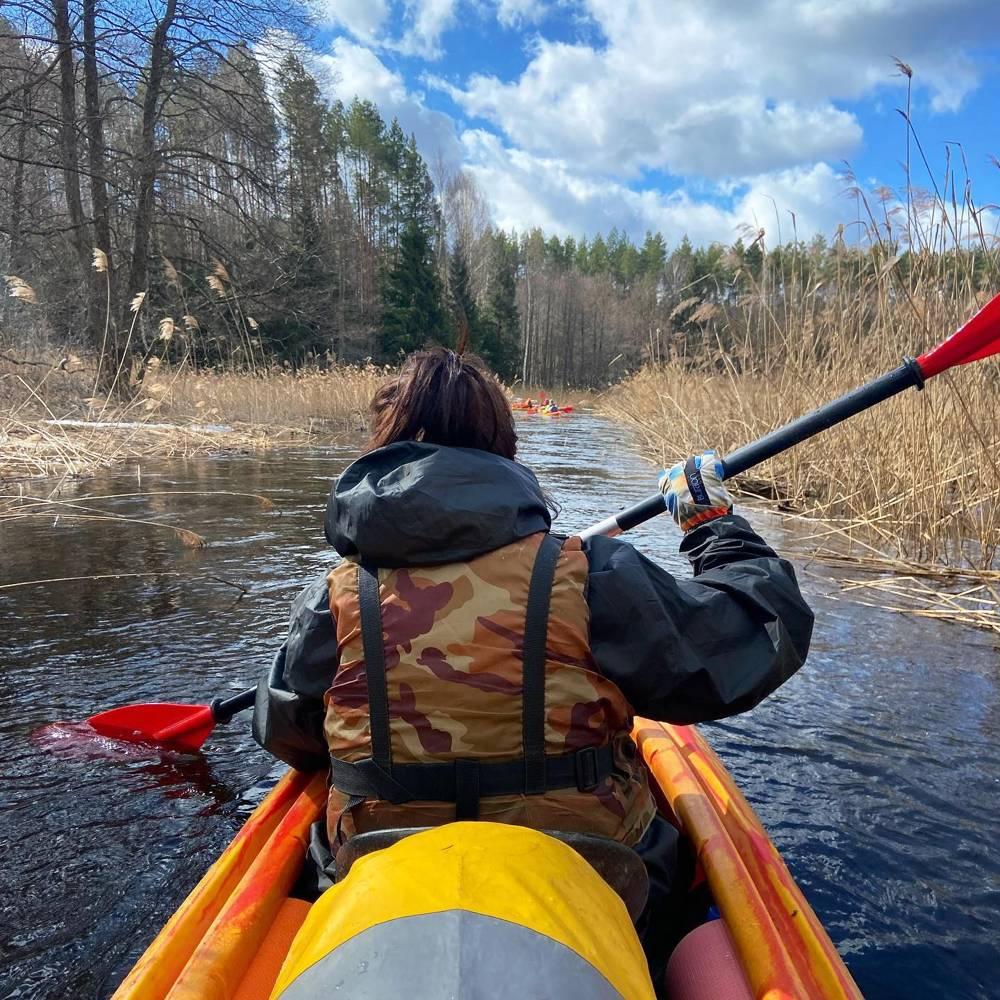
{"type": "Point", "coordinates": [512, 13]}
{"type": "Point", "coordinates": [729, 104]}
{"type": "Point", "coordinates": [426, 22]}
{"type": "Point", "coordinates": [356, 71]}
{"type": "Point", "coordinates": [421, 22]}
{"type": "Point", "coordinates": [723, 89]}
{"type": "Point", "coordinates": [362, 18]}
{"type": "Point", "coordinates": [525, 191]}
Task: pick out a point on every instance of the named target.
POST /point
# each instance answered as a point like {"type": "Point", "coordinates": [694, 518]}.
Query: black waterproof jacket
{"type": "Point", "coordinates": [681, 650]}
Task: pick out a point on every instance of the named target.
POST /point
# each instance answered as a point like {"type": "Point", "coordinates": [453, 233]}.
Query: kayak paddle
{"type": "Point", "coordinates": [978, 339]}
{"type": "Point", "coordinates": [186, 727]}
{"type": "Point", "coordinates": [183, 727]}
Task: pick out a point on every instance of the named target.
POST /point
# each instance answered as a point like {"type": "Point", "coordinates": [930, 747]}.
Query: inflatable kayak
{"type": "Point", "coordinates": [561, 411]}
{"type": "Point", "coordinates": [481, 910]}
{"type": "Point", "coordinates": [543, 409]}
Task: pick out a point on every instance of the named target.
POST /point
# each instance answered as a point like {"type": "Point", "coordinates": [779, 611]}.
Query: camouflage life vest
{"type": "Point", "coordinates": [468, 690]}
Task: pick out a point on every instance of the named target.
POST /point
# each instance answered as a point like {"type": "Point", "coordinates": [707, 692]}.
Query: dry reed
{"type": "Point", "coordinates": [310, 402]}
{"type": "Point", "coordinates": [52, 424]}
{"type": "Point", "coordinates": [977, 606]}
{"type": "Point", "coordinates": [913, 479]}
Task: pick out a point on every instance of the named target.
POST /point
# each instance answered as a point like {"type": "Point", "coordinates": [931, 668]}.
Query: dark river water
{"type": "Point", "coordinates": [876, 769]}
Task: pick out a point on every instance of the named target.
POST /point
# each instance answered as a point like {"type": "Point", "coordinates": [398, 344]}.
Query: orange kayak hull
{"type": "Point", "coordinates": [228, 939]}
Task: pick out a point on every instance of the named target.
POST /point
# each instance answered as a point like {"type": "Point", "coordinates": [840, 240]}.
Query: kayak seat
{"type": "Point", "coordinates": [616, 863]}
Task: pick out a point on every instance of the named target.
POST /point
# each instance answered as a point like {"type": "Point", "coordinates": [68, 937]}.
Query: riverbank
{"type": "Point", "coordinates": [53, 424]}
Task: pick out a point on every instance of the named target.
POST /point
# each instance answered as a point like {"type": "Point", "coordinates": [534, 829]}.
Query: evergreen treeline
{"type": "Point", "coordinates": [192, 145]}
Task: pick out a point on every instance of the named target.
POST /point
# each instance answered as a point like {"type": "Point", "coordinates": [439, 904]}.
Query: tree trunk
{"type": "Point", "coordinates": [146, 158]}
{"type": "Point", "coordinates": [69, 156]}
{"type": "Point", "coordinates": [102, 304]}
{"type": "Point", "coordinates": [16, 218]}
{"type": "Point", "coordinates": [95, 129]}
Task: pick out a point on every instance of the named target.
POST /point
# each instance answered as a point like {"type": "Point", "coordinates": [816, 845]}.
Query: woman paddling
{"type": "Point", "coordinates": [462, 662]}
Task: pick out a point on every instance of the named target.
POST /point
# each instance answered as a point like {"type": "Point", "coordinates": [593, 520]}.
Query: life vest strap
{"type": "Point", "coordinates": [536, 626]}
{"type": "Point", "coordinates": [373, 641]}
{"type": "Point", "coordinates": [465, 781]}
{"type": "Point", "coordinates": [452, 781]}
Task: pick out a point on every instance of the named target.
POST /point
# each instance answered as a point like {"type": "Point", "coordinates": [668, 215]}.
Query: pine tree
{"type": "Point", "coordinates": [413, 314]}
{"type": "Point", "coordinates": [418, 201]}
{"type": "Point", "coordinates": [500, 336]}
{"type": "Point", "coordinates": [653, 255]}
{"type": "Point", "coordinates": [304, 118]}
{"type": "Point", "coordinates": [465, 314]}
{"type": "Point", "coordinates": [598, 260]}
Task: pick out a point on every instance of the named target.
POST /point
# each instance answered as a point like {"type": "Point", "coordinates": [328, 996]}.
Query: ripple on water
{"type": "Point", "coordinates": [876, 769]}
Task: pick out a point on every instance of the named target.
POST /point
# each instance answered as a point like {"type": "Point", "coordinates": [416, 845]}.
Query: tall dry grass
{"type": "Point", "coordinates": [914, 481]}
{"type": "Point", "coordinates": [67, 415]}
{"type": "Point", "coordinates": [51, 425]}
{"type": "Point", "coordinates": [916, 477]}
{"type": "Point", "coordinates": [309, 402]}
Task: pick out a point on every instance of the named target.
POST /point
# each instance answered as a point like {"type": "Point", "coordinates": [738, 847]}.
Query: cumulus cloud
{"type": "Point", "coordinates": [722, 89]}
{"type": "Point", "coordinates": [687, 117]}
{"type": "Point", "coordinates": [525, 190]}
{"type": "Point", "coordinates": [427, 20]}
{"type": "Point", "coordinates": [512, 13]}
{"type": "Point", "coordinates": [362, 18]}
{"type": "Point", "coordinates": [354, 70]}
{"type": "Point", "coordinates": [421, 23]}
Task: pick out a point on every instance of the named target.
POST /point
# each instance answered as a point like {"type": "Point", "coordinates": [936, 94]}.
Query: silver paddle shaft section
{"type": "Point", "coordinates": [629, 518]}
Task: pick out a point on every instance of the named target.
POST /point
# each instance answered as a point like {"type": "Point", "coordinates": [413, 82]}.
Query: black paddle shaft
{"type": "Point", "coordinates": [223, 709]}
{"type": "Point", "coordinates": [907, 375]}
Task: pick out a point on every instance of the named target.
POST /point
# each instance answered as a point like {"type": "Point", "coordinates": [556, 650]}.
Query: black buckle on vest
{"type": "Point", "coordinates": [585, 764]}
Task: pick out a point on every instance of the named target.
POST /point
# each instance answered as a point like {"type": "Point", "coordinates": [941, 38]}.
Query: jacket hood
{"type": "Point", "coordinates": [416, 504]}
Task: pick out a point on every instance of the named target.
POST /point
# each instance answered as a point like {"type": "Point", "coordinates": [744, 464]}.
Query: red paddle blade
{"type": "Point", "coordinates": [978, 339]}
{"type": "Point", "coordinates": [184, 727]}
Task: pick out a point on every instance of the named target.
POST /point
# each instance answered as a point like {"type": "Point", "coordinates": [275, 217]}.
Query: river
{"type": "Point", "coordinates": [876, 769]}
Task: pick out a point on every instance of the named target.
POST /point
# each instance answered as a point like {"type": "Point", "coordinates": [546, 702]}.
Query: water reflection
{"type": "Point", "coordinates": [875, 769]}
{"type": "Point", "coordinates": [176, 775]}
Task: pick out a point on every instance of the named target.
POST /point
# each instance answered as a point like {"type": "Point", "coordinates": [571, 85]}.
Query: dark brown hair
{"type": "Point", "coordinates": [443, 398]}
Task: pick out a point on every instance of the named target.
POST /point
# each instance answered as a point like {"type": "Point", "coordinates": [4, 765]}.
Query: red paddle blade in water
{"type": "Point", "coordinates": [184, 727]}
{"type": "Point", "coordinates": [978, 339]}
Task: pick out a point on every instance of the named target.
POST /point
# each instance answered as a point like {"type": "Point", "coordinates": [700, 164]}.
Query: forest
{"type": "Point", "coordinates": [176, 183]}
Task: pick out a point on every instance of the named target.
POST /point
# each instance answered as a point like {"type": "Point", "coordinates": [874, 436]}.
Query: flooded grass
{"type": "Point", "coordinates": [52, 424]}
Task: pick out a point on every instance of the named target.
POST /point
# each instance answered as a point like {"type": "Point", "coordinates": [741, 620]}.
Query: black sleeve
{"type": "Point", "coordinates": [288, 714]}
{"type": "Point", "coordinates": [692, 650]}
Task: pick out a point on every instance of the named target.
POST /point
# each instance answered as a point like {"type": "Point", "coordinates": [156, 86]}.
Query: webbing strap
{"type": "Point", "coordinates": [536, 625]}
{"type": "Point", "coordinates": [696, 485]}
{"type": "Point", "coordinates": [467, 789]}
{"type": "Point", "coordinates": [464, 781]}
{"type": "Point", "coordinates": [373, 644]}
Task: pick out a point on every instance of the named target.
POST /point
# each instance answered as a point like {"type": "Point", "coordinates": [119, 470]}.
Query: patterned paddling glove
{"type": "Point", "coordinates": [694, 491]}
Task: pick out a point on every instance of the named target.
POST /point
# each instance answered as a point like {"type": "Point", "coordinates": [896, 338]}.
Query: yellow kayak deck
{"type": "Point", "coordinates": [228, 939]}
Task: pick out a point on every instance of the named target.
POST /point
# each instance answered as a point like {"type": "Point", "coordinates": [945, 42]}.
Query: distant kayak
{"type": "Point", "coordinates": [543, 411]}
{"type": "Point", "coordinates": [482, 909]}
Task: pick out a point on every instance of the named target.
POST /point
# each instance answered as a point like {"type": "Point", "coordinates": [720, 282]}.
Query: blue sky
{"type": "Point", "coordinates": [704, 117]}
